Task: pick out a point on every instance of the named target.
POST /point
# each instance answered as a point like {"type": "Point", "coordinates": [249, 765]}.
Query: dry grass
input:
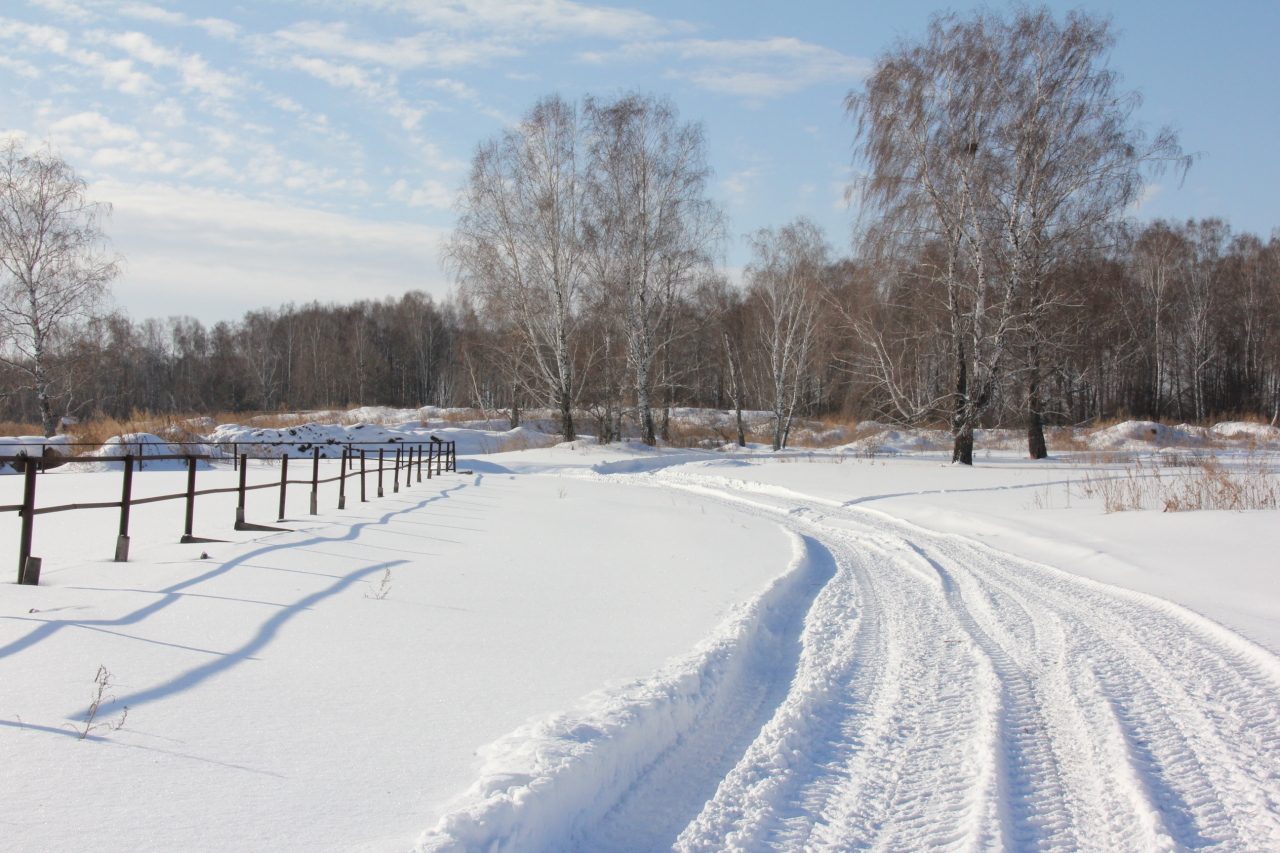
{"type": "Point", "coordinates": [19, 428]}
{"type": "Point", "coordinates": [1250, 485]}
{"type": "Point", "coordinates": [186, 427]}
{"type": "Point", "coordinates": [824, 432]}
{"type": "Point", "coordinates": [519, 441]}
{"type": "Point", "coordinates": [96, 431]}
{"type": "Point", "coordinates": [465, 415]}
{"type": "Point", "coordinates": [284, 420]}
{"type": "Point", "coordinates": [1065, 439]}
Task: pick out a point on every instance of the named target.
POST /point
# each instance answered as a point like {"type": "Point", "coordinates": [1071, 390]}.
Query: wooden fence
{"type": "Point", "coordinates": [357, 463]}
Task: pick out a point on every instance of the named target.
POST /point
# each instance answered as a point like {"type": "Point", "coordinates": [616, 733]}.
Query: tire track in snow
{"type": "Point", "coordinates": [941, 696]}
{"type": "Point", "coordinates": [630, 767]}
{"type": "Point", "coordinates": [1117, 721]}
{"type": "Point", "coordinates": [670, 791]}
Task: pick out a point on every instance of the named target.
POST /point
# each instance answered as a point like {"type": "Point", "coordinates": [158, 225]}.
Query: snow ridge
{"type": "Point", "coordinates": [614, 768]}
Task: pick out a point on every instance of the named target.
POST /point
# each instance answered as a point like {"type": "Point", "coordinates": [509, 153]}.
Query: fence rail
{"type": "Point", "coordinates": [435, 456]}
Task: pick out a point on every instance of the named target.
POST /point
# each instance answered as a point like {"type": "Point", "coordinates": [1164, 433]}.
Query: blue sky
{"type": "Point", "coordinates": [287, 151]}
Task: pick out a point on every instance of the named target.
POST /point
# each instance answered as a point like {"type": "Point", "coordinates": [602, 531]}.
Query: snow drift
{"type": "Point", "coordinates": [545, 783]}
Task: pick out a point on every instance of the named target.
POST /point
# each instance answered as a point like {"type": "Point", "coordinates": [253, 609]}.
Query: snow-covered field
{"type": "Point", "coordinates": [582, 648]}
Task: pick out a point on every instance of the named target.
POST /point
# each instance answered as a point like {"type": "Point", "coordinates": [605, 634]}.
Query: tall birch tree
{"type": "Point", "coordinates": [654, 229]}
{"type": "Point", "coordinates": [785, 280]}
{"type": "Point", "coordinates": [519, 245]}
{"type": "Point", "coordinates": [55, 268]}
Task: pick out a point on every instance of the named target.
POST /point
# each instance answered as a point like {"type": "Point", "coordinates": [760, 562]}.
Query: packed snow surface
{"type": "Point", "coordinates": [578, 648]}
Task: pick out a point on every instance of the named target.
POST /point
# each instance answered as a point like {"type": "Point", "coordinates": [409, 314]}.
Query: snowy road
{"type": "Point", "coordinates": [903, 690]}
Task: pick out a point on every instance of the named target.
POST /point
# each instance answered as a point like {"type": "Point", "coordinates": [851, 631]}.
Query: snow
{"type": "Point", "coordinates": [147, 444]}
{"type": "Point", "coordinates": [585, 648]}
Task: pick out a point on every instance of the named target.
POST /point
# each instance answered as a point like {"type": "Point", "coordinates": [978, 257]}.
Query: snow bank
{"type": "Point", "coordinates": [545, 781]}
{"type": "Point", "coordinates": [891, 441]}
{"type": "Point", "coordinates": [32, 445]}
{"type": "Point", "coordinates": [300, 440]}
{"type": "Point", "coordinates": [15, 444]}
{"type": "Point", "coordinates": [1245, 431]}
{"type": "Point", "coordinates": [1140, 435]}
{"type": "Point", "coordinates": [147, 444]}
{"type": "Point", "coordinates": [329, 438]}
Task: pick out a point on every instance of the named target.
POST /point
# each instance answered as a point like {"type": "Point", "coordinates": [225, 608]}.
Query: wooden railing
{"type": "Point", "coordinates": [432, 457]}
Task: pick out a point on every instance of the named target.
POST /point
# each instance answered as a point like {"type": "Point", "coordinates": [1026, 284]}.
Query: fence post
{"type": "Point", "coordinates": [431, 449]}
{"type": "Point", "coordinates": [363, 496]}
{"type": "Point", "coordinates": [381, 451]}
{"type": "Point", "coordinates": [28, 519]}
{"type": "Point", "coordinates": [126, 494]}
{"type": "Point", "coordinates": [453, 456]}
{"type": "Point", "coordinates": [395, 478]}
{"type": "Point", "coordinates": [235, 455]}
{"type": "Point", "coordinates": [419, 463]}
{"type": "Point", "coordinates": [342, 479]}
{"type": "Point", "coordinates": [315, 480]}
{"type": "Point", "coordinates": [244, 466]}
{"type": "Point", "coordinates": [284, 481]}
{"type": "Point", "coordinates": [191, 502]}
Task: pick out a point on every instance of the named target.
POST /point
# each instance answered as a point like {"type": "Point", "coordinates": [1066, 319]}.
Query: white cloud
{"type": "Point", "coordinates": [20, 67]}
{"type": "Point", "coordinates": [424, 49]}
{"type": "Point", "coordinates": [845, 195]}
{"type": "Point", "coordinates": [353, 77]}
{"type": "Point", "coordinates": [147, 12]}
{"type": "Point", "coordinates": [170, 112]}
{"type": "Point", "coordinates": [430, 194]}
{"type": "Point", "coordinates": [1148, 195]}
{"type": "Point", "coordinates": [219, 28]}
{"type": "Point", "coordinates": [105, 147]}
{"type": "Point", "coordinates": [531, 18]}
{"type": "Point", "coordinates": [65, 9]}
{"type": "Point", "coordinates": [90, 128]}
{"type": "Point", "coordinates": [216, 254]}
{"type": "Point", "coordinates": [93, 139]}
{"type": "Point", "coordinates": [115, 74]}
{"type": "Point", "coordinates": [739, 183]}
{"type": "Point", "coordinates": [371, 84]}
{"type": "Point", "coordinates": [196, 73]}
{"type": "Point", "coordinates": [50, 39]}
{"type": "Point", "coordinates": [751, 68]}
{"type": "Point", "coordinates": [432, 156]}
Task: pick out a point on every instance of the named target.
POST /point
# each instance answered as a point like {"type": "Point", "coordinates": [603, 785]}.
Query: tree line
{"type": "Point", "coordinates": [996, 276]}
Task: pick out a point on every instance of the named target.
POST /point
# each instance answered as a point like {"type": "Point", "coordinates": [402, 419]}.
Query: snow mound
{"type": "Point", "coordinates": [892, 441]}
{"type": "Point", "coordinates": [1245, 431]}
{"type": "Point", "coordinates": [1141, 435]}
{"type": "Point", "coordinates": [147, 444]}
{"type": "Point", "coordinates": [31, 445]}
{"type": "Point", "coordinates": [385, 415]}
{"type": "Point", "coordinates": [547, 780]}
{"type": "Point", "coordinates": [300, 440]}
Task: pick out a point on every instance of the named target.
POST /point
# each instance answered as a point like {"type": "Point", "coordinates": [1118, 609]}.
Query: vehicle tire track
{"type": "Point", "coordinates": [1087, 717]}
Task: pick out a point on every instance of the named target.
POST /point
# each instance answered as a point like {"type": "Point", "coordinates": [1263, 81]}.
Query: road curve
{"type": "Point", "coordinates": [953, 697]}
{"type": "Point", "coordinates": [899, 689]}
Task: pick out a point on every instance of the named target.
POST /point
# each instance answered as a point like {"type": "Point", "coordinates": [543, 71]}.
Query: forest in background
{"type": "Point", "coordinates": [1181, 322]}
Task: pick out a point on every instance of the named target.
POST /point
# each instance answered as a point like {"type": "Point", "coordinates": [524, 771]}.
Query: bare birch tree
{"type": "Point", "coordinates": [55, 267]}
{"type": "Point", "coordinates": [785, 281]}
{"type": "Point", "coordinates": [1067, 160]}
{"type": "Point", "coordinates": [1008, 142]}
{"type": "Point", "coordinates": [924, 122]}
{"type": "Point", "coordinates": [519, 243]}
{"type": "Point", "coordinates": [653, 227]}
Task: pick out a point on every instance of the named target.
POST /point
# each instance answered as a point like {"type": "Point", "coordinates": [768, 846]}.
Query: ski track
{"type": "Point", "coordinates": [940, 695]}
